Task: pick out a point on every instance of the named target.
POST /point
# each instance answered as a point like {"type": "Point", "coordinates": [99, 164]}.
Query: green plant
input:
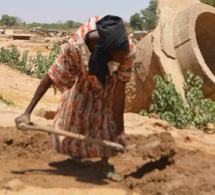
{"type": "Point", "coordinates": [4, 55]}
{"type": "Point", "coordinates": [11, 57]}
{"type": "Point", "coordinates": [6, 101]}
{"type": "Point", "coordinates": [14, 57]}
{"type": "Point", "coordinates": [22, 66]}
{"type": "Point", "coordinates": [170, 106]}
{"type": "Point", "coordinates": [168, 103]}
{"type": "Point", "coordinates": [209, 2]}
{"type": "Point", "coordinates": [201, 110]}
{"type": "Point", "coordinates": [42, 63]}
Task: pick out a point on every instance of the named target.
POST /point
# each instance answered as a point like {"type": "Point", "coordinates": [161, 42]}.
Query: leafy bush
{"type": "Point", "coordinates": [8, 102]}
{"type": "Point", "coordinates": [170, 106]}
{"type": "Point", "coordinates": [201, 110]}
{"type": "Point", "coordinates": [22, 66]}
{"type": "Point", "coordinates": [4, 55]}
{"type": "Point", "coordinates": [12, 58]}
{"type": "Point", "coordinates": [40, 64]}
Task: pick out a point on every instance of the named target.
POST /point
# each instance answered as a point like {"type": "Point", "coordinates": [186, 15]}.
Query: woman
{"type": "Point", "coordinates": [92, 70]}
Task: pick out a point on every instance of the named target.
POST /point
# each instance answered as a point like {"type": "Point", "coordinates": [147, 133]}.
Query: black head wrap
{"type": "Point", "coordinates": [113, 37]}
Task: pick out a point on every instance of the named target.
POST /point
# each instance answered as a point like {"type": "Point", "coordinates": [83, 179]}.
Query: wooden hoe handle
{"type": "Point", "coordinates": [104, 143]}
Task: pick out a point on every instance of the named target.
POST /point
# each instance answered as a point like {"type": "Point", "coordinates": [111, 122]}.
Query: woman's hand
{"type": "Point", "coordinates": [122, 139]}
{"type": "Point", "coordinates": [24, 118]}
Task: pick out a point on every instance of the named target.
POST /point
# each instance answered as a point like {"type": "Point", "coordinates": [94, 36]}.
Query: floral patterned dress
{"type": "Point", "coordinates": [85, 107]}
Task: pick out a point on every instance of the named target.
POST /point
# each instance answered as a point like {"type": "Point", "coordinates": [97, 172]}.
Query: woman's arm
{"type": "Point", "coordinates": [41, 90]}
{"type": "Point", "coordinates": [61, 73]}
{"type": "Point", "coordinates": [118, 107]}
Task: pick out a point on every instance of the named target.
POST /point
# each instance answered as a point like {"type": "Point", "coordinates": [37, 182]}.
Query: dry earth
{"type": "Point", "coordinates": [29, 167]}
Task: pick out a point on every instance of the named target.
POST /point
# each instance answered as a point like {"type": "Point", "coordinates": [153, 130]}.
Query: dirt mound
{"type": "Point", "coordinates": [143, 150]}
{"type": "Point", "coordinates": [152, 165]}
{"type": "Point", "coordinates": [191, 173]}
{"type": "Point", "coordinates": [15, 143]}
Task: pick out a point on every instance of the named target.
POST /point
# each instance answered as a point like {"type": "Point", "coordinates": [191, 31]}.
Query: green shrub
{"type": "Point", "coordinates": [169, 105]}
{"type": "Point", "coordinates": [8, 102]}
{"type": "Point", "coordinates": [22, 66]}
{"type": "Point", "coordinates": [41, 63]}
{"type": "Point", "coordinates": [4, 55]}
{"type": "Point", "coordinates": [11, 57]}
{"type": "Point", "coordinates": [201, 110]}
{"type": "Point", "coordinates": [14, 56]}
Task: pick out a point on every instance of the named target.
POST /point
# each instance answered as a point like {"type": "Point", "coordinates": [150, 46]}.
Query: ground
{"type": "Point", "coordinates": [29, 167]}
